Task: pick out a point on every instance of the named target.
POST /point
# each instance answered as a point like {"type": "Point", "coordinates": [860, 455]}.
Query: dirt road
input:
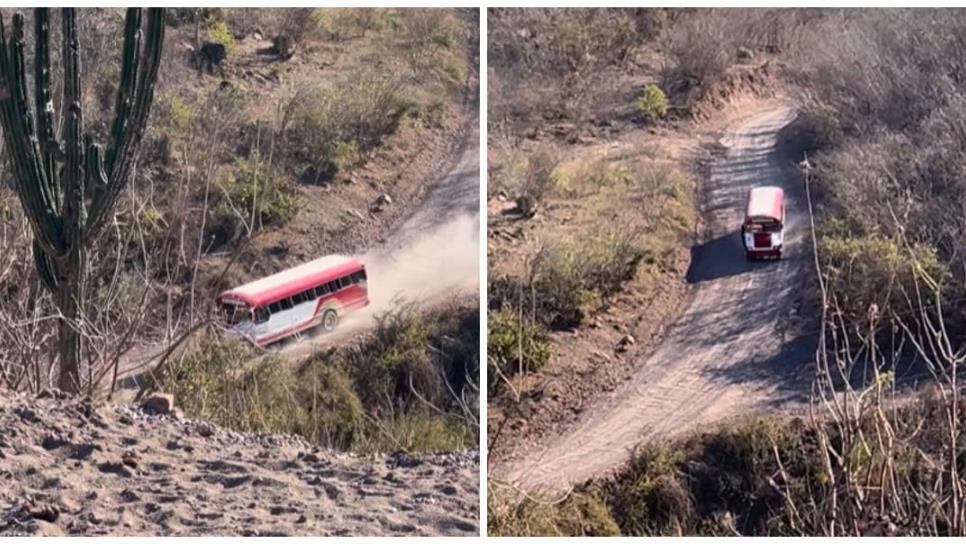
{"type": "Point", "coordinates": [727, 354]}
{"type": "Point", "coordinates": [436, 252]}
{"type": "Point", "coordinates": [433, 256]}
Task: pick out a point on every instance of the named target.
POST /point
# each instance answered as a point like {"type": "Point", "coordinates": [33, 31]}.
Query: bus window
{"type": "Point", "coordinates": [359, 277]}
{"type": "Point", "coordinates": [324, 289]}
{"type": "Point", "coordinates": [771, 226]}
{"type": "Point", "coordinates": [261, 315]}
{"type": "Point", "coordinates": [333, 286]}
{"type": "Point", "coordinates": [299, 298]}
{"type": "Point", "coordinates": [344, 282]}
{"type": "Point", "coordinates": [274, 307]}
{"type": "Point", "coordinates": [286, 303]}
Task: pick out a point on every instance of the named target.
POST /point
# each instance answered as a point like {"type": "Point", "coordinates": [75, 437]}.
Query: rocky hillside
{"type": "Point", "coordinates": [73, 467]}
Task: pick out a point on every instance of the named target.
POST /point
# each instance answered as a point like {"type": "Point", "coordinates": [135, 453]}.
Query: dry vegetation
{"type": "Point", "coordinates": [868, 459]}
{"type": "Point", "coordinates": [411, 385]}
{"type": "Point", "coordinates": [271, 159]}
{"type": "Point", "coordinates": [586, 225]}
{"type": "Point", "coordinates": [881, 95]}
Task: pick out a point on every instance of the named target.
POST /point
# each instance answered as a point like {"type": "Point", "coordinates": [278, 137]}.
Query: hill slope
{"type": "Point", "coordinates": [72, 467]}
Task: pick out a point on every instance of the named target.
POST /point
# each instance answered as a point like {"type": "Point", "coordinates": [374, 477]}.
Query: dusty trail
{"type": "Point", "coordinates": [433, 256]}
{"type": "Point", "coordinates": [726, 355]}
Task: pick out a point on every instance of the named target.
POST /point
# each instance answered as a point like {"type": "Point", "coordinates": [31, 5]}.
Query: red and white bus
{"type": "Point", "coordinates": [763, 228]}
{"type": "Point", "coordinates": [295, 300]}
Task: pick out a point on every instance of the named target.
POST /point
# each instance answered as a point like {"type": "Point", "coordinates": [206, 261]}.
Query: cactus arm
{"type": "Point", "coordinates": [33, 188]}
{"type": "Point", "coordinates": [125, 150]}
{"type": "Point", "coordinates": [42, 97]}
{"type": "Point", "coordinates": [125, 91]}
{"type": "Point", "coordinates": [73, 175]}
{"type": "Point", "coordinates": [22, 107]}
{"type": "Point", "coordinates": [94, 163]}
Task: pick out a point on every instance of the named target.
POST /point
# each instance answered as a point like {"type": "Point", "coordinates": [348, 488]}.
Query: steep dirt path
{"type": "Point", "coordinates": [727, 355]}
{"type": "Point", "coordinates": [436, 251]}
{"type": "Point", "coordinates": [433, 256]}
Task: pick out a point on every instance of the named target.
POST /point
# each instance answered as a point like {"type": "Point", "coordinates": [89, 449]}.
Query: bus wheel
{"type": "Point", "coordinates": [329, 320]}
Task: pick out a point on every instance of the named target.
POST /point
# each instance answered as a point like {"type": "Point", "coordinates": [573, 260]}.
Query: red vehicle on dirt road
{"type": "Point", "coordinates": [763, 228]}
{"type": "Point", "coordinates": [313, 294]}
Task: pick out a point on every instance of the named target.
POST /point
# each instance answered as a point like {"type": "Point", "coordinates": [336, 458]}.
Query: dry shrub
{"type": "Point", "coordinates": [412, 386]}
{"type": "Point", "coordinates": [515, 345]}
{"type": "Point", "coordinates": [220, 380]}
{"type": "Point", "coordinates": [550, 64]}
{"type": "Point", "coordinates": [295, 27]}
{"type": "Point", "coordinates": [887, 124]}
{"type": "Point", "coordinates": [872, 277]}
{"type": "Point", "coordinates": [700, 50]}
{"type": "Point", "coordinates": [428, 36]}
{"type": "Point", "coordinates": [330, 125]}
{"type": "Point", "coordinates": [571, 280]}
{"type": "Point", "coordinates": [536, 180]}
{"type": "Point", "coordinates": [343, 24]}
{"type": "Point", "coordinates": [580, 513]}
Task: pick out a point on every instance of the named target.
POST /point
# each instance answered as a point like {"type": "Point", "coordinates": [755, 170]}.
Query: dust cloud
{"type": "Point", "coordinates": [434, 256]}
{"type": "Point", "coordinates": [445, 260]}
{"type": "Point", "coordinates": [441, 264]}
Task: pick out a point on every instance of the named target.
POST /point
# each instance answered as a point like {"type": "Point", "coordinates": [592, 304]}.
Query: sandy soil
{"type": "Point", "coordinates": [68, 467]}
{"type": "Point", "coordinates": [730, 353]}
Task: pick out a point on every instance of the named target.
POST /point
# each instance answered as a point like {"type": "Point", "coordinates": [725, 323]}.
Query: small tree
{"type": "Point", "coordinates": [652, 104]}
{"type": "Point", "coordinates": [69, 188]}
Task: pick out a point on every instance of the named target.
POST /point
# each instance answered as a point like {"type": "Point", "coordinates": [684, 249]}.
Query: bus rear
{"type": "Point", "coordinates": [763, 228]}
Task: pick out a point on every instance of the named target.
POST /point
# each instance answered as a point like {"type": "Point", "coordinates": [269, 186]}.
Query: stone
{"type": "Point", "coordinates": [115, 468]}
{"type": "Point", "coordinates": [43, 511]}
{"type": "Point", "coordinates": [52, 442]}
{"type": "Point", "coordinates": [381, 202]}
{"type": "Point", "coordinates": [158, 403]}
{"type": "Point", "coordinates": [130, 459]}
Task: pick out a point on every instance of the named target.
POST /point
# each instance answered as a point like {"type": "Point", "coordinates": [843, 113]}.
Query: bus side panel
{"type": "Point", "coordinates": [309, 314]}
{"type": "Point", "coordinates": [354, 297]}
{"type": "Point", "coordinates": [345, 300]}
{"type": "Point", "coordinates": [286, 322]}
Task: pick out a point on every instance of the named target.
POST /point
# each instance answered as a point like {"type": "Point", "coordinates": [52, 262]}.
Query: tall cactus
{"type": "Point", "coordinates": [69, 187]}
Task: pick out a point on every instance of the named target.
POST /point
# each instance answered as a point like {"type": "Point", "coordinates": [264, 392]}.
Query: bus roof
{"type": "Point", "coordinates": [765, 202]}
{"type": "Point", "coordinates": [294, 280]}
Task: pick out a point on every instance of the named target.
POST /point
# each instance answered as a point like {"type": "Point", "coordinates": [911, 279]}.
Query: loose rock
{"type": "Point", "coordinates": [158, 403]}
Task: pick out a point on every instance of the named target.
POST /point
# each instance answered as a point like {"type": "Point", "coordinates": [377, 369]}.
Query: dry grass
{"type": "Point", "coordinates": [411, 386]}
{"type": "Point", "coordinates": [571, 265]}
